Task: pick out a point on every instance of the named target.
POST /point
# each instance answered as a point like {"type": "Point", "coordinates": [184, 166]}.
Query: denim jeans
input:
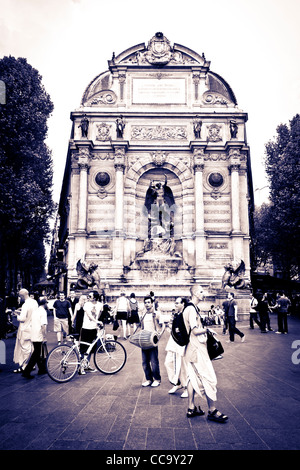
{"type": "Point", "coordinates": [282, 322]}
{"type": "Point", "coordinates": [150, 364]}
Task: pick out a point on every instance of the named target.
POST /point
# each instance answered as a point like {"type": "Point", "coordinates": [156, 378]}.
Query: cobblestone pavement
{"type": "Point", "coordinates": [258, 388]}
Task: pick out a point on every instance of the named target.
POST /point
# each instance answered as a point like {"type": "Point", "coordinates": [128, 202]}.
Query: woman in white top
{"type": "Point", "coordinates": [78, 315]}
{"type": "Point", "coordinates": [133, 316]}
{"type": "Point", "coordinates": [122, 309]}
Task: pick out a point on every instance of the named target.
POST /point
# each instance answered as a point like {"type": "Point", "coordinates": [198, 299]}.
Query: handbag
{"type": "Point", "coordinates": [214, 346]}
{"type": "Point", "coordinates": [115, 324]}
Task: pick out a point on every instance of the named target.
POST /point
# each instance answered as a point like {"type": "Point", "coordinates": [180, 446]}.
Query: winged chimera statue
{"type": "Point", "coordinates": [234, 276]}
{"type": "Point", "coordinates": [88, 275]}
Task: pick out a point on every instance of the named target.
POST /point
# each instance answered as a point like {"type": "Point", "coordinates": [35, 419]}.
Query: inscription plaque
{"type": "Point", "coordinates": [154, 91]}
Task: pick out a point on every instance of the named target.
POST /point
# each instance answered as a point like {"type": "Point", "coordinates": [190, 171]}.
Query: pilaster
{"type": "Point", "coordinates": [120, 147]}
{"type": "Point", "coordinates": [198, 149]}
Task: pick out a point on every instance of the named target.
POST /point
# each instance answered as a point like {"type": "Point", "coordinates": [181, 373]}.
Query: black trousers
{"type": "Point", "coordinates": [233, 329]}
{"type": "Point", "coordinates": [87, 336]}
{"type": "Point", "coordinates": [35, 358]}
{"type": "Point", "coordinates": [254, 318]}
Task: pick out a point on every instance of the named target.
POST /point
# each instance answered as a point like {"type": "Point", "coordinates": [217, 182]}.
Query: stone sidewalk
{"type": "Point", "coordinates": [258, 388]}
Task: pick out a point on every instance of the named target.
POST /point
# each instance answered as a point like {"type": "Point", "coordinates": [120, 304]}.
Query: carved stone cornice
{"type": "Point", "coordinates": [198, 147]}
{"type": "Point", "coordinates": [120, 146]}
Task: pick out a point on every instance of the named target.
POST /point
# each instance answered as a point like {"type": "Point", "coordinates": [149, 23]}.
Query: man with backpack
{"type": "Point", "coordinates": [201, 375]}
{"type": "Point", "coordinates": [174, 361]}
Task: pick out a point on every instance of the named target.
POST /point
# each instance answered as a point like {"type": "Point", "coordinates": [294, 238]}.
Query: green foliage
{"type": "Point", "coordinates": [26, 172]}
{"type": "Point", "coordinates": [277, 226]}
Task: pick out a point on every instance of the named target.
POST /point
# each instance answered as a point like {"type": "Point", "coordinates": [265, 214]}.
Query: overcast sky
{"type": "Point", "coordinates": [252, 44]}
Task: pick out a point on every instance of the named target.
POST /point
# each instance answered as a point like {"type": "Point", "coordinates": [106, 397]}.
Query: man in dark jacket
{"type": "Point", "coordinates": [230, 309]}
{"type": "Point", "coordinates": [282, 307]}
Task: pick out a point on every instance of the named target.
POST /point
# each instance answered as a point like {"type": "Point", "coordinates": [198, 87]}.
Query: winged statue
{"type": "Point", "coordinates": [88, 275]}
{"type": "Point", "coordinates": [234, 276]}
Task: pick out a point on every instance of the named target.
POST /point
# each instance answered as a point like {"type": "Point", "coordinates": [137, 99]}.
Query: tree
{"type": "Point", "coordinates": [26, 176]}
{"type": "Point", "coordinates": [278, 225]}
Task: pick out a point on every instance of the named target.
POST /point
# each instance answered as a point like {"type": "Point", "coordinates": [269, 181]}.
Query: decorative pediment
{"type": "Point", "coordinates": [159, 52]}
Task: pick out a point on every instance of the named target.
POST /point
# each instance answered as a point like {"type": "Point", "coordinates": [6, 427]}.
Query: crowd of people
{"type": "Point", "coordinates": [188, 366]}
{"type": "Point", "coordinates": [262, 305]}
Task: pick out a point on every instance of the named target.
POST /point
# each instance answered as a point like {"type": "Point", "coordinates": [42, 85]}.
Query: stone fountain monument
{"type": "Point", "coordinates": [157, 189]}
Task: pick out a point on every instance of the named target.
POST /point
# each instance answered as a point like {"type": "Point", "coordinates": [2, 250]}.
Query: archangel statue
{"type": "Point", "coordinates": [160, 204]}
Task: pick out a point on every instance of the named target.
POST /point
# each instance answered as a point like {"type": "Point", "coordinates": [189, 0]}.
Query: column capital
{"type": "Point", "coordinates": [120, 148]}
{"type": "Point", "coordinates": [198, 167]}
{"type": "Point", "coordinates": [119, 166]}
{"type": "Point", "coordinates": [83, 158]}
{"type": "Point", "coordinates": [234, 155]}
{"type": "Point", "coordinates": [234, 166]}
{"type": "Point", "coordinates": [198, 159]}
{"type": "Point", "coordinates": [82, 165]}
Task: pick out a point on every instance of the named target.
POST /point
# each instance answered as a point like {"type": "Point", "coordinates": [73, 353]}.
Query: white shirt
{"type": "Point", "coordinates": [26, 313]}
{"type": "Point", "coordinates": [253, 303]}
{"type": "Point", "coordinates": [149, 321]}
{"type": "Point", "coordinates": [123, 304]}
{"type": "Point", "coordinates": [38, 319]}
{"type": "Point", "coordinates": [91, 314]}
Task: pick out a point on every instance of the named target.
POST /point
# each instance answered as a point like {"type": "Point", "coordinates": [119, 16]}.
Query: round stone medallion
{"type": "Point", "coordinates": [215, 180]}
{"type": "Point", "coordinates": [102, 178]}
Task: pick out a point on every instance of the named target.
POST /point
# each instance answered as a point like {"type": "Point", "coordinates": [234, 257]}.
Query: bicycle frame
{"type": "Point", "coordinates": [64, 360]}
{"type": "Point", "coordinates": [100, 336]}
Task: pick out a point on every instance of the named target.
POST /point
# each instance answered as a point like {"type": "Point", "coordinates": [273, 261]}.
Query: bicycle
{"type": "Point", "coordinates": [64, 361]}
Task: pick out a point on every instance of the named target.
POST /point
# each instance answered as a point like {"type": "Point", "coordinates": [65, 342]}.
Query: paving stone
{"type": "Point", "coordinates": [258, 388]}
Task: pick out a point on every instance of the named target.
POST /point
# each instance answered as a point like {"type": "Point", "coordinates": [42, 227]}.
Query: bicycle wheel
{"type": "Point", "coordinates": [62, 363]}
{"type": "Point", "coordinates": [110, 357]}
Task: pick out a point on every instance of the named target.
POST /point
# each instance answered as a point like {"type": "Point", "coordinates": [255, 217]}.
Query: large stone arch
{"type": "Point", "coordinates": [183, 172]}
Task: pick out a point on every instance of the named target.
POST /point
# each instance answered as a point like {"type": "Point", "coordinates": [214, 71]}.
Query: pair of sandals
{"type": "Point", "coordinates": [215, 415]}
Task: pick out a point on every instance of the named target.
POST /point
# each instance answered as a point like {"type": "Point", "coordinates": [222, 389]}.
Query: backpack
{"type": "Point", "coordinates": [179, 332]}
{"type": "Point", "coordinates": [133, 306]}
